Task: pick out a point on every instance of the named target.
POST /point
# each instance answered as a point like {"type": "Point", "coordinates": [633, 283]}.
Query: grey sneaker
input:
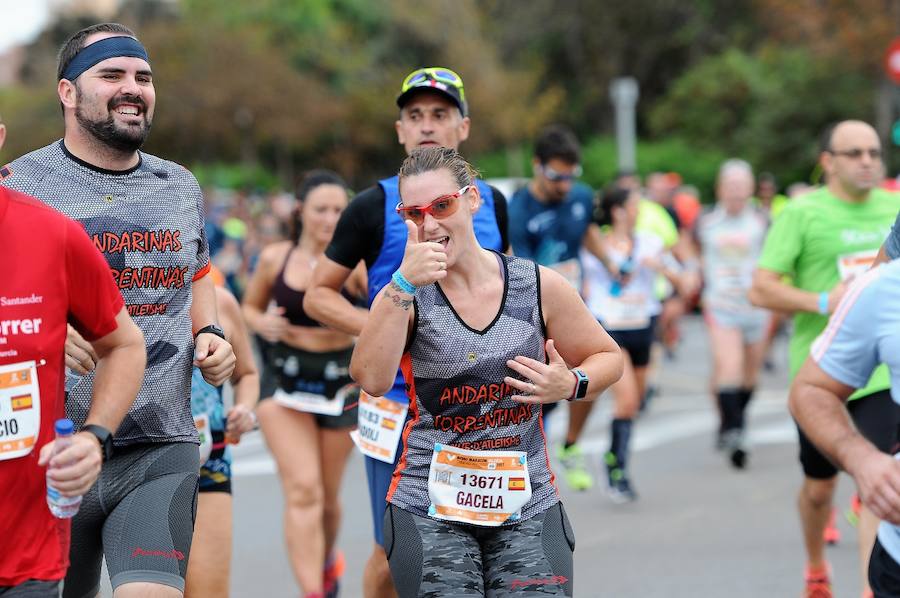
{"type": "Point", "coordinates": [736, 448]}
{"type": "Point", "coordinates": [619, 490]}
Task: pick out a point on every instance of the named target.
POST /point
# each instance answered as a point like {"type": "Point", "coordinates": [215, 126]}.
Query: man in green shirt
{"type": "Point", "coordinates": [822, 241]}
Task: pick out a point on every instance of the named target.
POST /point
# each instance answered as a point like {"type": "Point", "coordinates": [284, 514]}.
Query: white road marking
{"type": "Point", "coordinates": [253, 467]}
{"type": "Point", "coordinates": [671, 420]}
{"type": "Point", "coordinates": [682, 422]}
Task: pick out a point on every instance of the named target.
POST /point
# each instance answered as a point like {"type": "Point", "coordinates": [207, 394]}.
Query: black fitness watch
{"type": "Point", "coordinates": [581, 385]}
{"type": "Point", "coordinates": [212, 329]}
{"type": "Point", "coordinates": [104, 436]}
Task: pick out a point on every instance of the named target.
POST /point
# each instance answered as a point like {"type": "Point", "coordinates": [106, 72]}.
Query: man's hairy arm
{"type": "Point", "coordinates": [325, 303]}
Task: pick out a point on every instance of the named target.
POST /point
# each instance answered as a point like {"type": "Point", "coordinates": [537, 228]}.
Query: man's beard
{"type": "Point", "coordinates": [125, 140]}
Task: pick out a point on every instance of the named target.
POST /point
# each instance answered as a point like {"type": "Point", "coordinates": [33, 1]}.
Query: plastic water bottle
{"type": "Point", "coordinates": [72, 379]}
{"type": "Point", "coordinates": [615, 289]}
{"type": "Point", "coordinates": [62, 506]}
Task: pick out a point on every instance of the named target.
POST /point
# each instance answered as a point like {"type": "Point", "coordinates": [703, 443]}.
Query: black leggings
{"type": "Point", "coordinates": [435, 559]}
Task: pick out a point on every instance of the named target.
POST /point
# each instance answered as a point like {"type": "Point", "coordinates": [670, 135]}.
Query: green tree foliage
{"type": "Point", "coordinates": [32, 118]}
{"type": "Point", "coordinates": [221, 93]}
{"type": "Point", "coordinates": [768, 107]}
{"type": "Point", "coordinates": [855, 32]}
{"type": "Point", "coordinates": [294, 85]}
{"type": "Point", "coordinates": [350, 56]}
{"type": "Point", "coordinates": [287, 85]}
{"type": "Point", "coordinates": [588, 43]}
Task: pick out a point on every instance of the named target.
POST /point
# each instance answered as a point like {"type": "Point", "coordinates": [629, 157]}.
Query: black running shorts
{"type": "Point", "coordinates": [876, 416]}
{"type": "Point", "coordinates": [884, 573]}
{"type": "Point", "coordinates": [636, 343]}
{"type": "Point", "coordinates": [140, 515]}
{"type": "Point", "coordinates": [323, 373]}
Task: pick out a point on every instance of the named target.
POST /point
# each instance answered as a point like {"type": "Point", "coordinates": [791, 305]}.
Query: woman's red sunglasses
{"type": "Point", "coordinates": [442, 207]}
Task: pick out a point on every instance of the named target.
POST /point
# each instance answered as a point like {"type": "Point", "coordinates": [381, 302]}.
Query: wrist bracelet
{"type": "Point", "coordinates": [405, 285]}
{"type": "Point", "coordinates": [823, 303]}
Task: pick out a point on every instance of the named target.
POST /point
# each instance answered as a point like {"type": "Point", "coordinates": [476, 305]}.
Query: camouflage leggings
{"type": "Point", "coordinates": [436, 559]}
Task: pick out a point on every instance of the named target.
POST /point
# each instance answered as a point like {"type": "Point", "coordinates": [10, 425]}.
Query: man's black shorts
{"type": "Point", "coordinates": [884, 573]}
{"type": "Point", "coordinates": [876, 416]}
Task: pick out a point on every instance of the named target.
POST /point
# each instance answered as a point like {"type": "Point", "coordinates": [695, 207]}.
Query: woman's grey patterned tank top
{"type": "Point", "coordinates": [454, 376]}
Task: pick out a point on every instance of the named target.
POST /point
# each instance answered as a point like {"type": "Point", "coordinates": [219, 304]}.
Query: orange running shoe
{"type": "Point", "coordinates": [332, 573]}
{"type": "Point", "coordinates": [818, 583]}
{"type": "Point", "coordinates": [832, 535]}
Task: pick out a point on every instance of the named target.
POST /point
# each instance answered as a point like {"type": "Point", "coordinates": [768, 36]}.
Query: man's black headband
{"type": "Point", "coordinates": [97, 52]}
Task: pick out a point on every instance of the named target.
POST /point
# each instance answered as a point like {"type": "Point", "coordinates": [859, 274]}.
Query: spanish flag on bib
{"type": "Point", "coordinates": [517, 483]}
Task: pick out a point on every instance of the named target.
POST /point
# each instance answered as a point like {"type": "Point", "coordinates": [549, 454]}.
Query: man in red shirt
{"type": "Point", "coordinates": [52, 275]}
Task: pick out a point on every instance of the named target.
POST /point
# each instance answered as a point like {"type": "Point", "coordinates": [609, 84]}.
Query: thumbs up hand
{"type": "Point", "coordinates": [424, 262]}
{"type": "Point", "coordinates": [544, 382]}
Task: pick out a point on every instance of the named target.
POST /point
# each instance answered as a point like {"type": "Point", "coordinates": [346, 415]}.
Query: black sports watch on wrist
{"type": "Point", "coordinates": [104, 436]}
{"type": "Point", "coordinates": [581, 385]}
{"type": "Point", "coordinates": [212, 329]}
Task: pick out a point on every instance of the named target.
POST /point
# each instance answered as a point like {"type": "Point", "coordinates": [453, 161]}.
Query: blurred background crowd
{"type": "Point", "coordinates": [254, 94]}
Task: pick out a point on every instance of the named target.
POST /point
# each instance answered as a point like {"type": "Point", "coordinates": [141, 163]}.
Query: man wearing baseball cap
{"type": "Point", "coordinates": [433, 112]}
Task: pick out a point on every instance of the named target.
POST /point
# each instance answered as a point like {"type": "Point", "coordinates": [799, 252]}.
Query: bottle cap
{"type": "Point", "coordinates": [64, 427]}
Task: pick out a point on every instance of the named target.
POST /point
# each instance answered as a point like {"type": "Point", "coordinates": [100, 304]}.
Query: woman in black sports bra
{"type": "Point", "coordinates": [307, 401]}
